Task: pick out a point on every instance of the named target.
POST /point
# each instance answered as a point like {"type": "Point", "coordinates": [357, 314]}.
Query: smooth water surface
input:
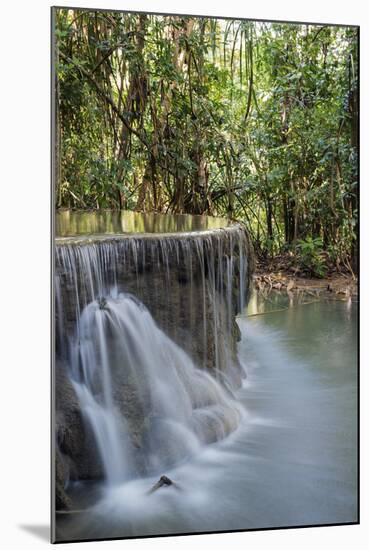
{"type": "Point", "coordinates": [72, 223]}
{"type": "Point", "coordinates": [293, 460]}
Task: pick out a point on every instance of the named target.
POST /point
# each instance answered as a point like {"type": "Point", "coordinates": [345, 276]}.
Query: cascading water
{"type": "Point", "coordinates": [145, 331]}
{"type": "Point", "coordinates": [146, 376]}
{"type": "Point", "coordinates": [91, 378]}
{"type": "Point", "coordinates": [183, 406]}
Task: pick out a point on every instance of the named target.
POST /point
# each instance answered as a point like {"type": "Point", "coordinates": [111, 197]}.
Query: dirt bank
{"type": "Point", "coordinates": [339, 285]}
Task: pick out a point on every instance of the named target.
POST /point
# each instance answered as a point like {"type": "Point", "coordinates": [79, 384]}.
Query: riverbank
{"type": "Point", "coordinates": [339, 285]}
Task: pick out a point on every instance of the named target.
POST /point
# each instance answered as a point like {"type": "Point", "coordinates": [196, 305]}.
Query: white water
{"type": "Point", "coordinates": [289, 458]}
{"type": "Point", "coordinates": [117, 342]}
{"type": "Point", "coordinates": [292, 461]}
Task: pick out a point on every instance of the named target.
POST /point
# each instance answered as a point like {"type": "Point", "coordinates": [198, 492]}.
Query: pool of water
{"type": "Point", "coordinates": [73, 223]}
{"type": "Point", "coordinates": [293, 460]}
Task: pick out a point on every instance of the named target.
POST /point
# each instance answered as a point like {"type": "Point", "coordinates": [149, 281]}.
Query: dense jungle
{"type": "Point", "coordinates": [254, 121]}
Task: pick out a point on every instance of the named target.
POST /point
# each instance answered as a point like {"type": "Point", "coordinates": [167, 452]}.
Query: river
{"type": "Point", "coordinates": [292, 461]}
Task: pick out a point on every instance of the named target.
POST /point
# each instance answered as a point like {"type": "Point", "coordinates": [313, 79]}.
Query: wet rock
{"type": "Point", "coordinates": [164, 481]}
{"type": "Point", "coordinates": [76, 455]}
{"type": "Point", "coordinates": [102, 302]}
{"type": "Point", "coordinates": [62, 500]}
{"type": "Point", "coordinates": [178, 291]}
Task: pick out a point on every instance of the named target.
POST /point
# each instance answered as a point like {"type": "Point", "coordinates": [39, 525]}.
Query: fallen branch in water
{"type": "Point", "coordinates": [164, 481]}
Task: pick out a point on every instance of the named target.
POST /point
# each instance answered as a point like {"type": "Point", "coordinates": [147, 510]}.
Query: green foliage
{"type": "Point", "coordinates": [255, 121]}
{"type": "Point", "coordinates": [311, 256]}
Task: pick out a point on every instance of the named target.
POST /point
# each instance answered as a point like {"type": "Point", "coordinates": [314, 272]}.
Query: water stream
{"type": "Point", "coordinates": [184, 407]}
{"type": "Point", "coordinates": [291, 461]}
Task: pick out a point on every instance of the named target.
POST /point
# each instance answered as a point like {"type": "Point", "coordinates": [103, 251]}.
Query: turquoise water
{"type": "Point", "coordinates": [293, 461]}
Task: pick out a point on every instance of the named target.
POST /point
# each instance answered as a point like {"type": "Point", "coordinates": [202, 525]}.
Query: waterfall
{"type": "Point", "coordinates": [144, 326]}
{"type": "Point", "coordinates": [118, 342]}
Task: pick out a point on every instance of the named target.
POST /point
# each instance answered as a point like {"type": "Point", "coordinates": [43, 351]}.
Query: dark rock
{"type": "Point", "coordinates": [76, 455]}
{"type": "Point", "coordinates": [179, 292]}
{"type": "Point", "coordinates": [164, 481]}
{"type": "Point", "coordinates": [62, 500]}
{"type": "Point", "coordinates": [102, 302]}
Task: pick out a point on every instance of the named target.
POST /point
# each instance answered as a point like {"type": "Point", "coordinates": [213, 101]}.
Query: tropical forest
{"type": "Point", "coordinates": [205, 274]}
{"type": "Point", "coordinates": [253, 121]}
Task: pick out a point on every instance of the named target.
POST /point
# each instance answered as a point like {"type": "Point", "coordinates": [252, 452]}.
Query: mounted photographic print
{"type": "Point", "coordinates": [205, 264]}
